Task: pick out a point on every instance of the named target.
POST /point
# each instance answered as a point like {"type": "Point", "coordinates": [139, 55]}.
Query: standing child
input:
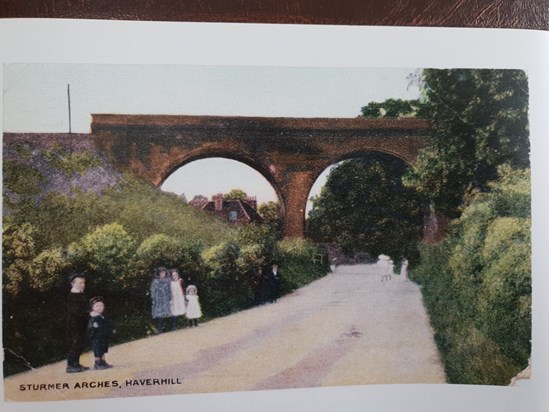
{"type": "Point", "coordinates": [193, 305]}
{"type": "Point", "coordinates": [100, 330]}
{"type": "Point", "coordinates": [161, 296]}
{"type": "Point", "coordinates": [178, 297]}
{"type": "Point", "coordinates": [77, 321]}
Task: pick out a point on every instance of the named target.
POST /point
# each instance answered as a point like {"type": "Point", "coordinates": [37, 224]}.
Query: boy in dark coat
{"type": "Point", "coordinates": [77, 321]}
{"type": "Point", "coordinates": [100, 330]}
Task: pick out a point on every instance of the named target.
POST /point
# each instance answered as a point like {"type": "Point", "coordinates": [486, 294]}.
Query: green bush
{"type": "Point", "coordinates": [104, 255]}
{"type": "Point", "coordinates": [49, 269]}
{"type": "Point", "coordinates": [507, 287]}
{"type": "Point", "coordinates": [18, 251]}
{"type": "Point", "coordinates": [223, 284]}
{"type": "Point", "coordinates": [301, 262]}
{"type": "Point", "coordinates": [477, 285]}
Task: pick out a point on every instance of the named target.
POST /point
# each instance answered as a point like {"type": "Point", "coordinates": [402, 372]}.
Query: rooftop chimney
{"type": "Point", "coordinates": [218, 201]}
{"type": "Point", "coordinates": [252, 201]}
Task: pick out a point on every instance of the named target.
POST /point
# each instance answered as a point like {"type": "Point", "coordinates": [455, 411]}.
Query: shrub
{"type": "Point", "coordinates": [504, 311]}
{"type": "Point", "coordinates": [302, 261]}
{"type": "Point", "coordinates": [17, 253]}
{"type": "Point", "coordinates": [477, 285]}
{"type": "Point", "coordinates": [105, 254]}
{"type": "Point", "coordinates": [48, 270]}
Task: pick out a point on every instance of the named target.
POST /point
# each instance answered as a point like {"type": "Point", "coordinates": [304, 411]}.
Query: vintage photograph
{"type": "Point", "coordinates": [186, 229]}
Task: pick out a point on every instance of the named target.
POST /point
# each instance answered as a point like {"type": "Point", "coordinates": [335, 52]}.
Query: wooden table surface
{"type": "Point", "coordinates": [516, 14]}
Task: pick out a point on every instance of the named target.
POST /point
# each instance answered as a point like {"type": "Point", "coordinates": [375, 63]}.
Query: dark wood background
{"type": "Point", "coordinates": [517, 14]}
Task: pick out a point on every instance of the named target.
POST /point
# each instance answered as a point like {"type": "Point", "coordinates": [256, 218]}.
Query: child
{"type": "Point", "coordinates": [100, 330]}
{"type": "Point", "coordinates": [193, 305]}
{"type": "Point", "coordinates": [77, 321]}
{"type": "Point", "coordinates": [177, 303]}
{"type": "Point", "coordinates": [161, 296]}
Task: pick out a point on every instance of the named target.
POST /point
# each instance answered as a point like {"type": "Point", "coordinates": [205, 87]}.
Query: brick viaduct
{"type": "Point", "coordinates": [289, 152]}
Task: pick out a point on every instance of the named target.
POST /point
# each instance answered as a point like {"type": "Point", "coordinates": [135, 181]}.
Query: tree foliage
{"type": "Point", "coordinates": [270, 212]}
{"type": "Point", "coordinates": [236, 194]}
{"type": "Point", "coordinates": [394, 108]}
{"type": "Point", "coordinates": [364, 208]}
{"type": "Point", "coordinates": [480, 121]}
{"type": "Point", "coordinates": [477, 284]}
{"type": "Point", "coordinates": [18, 251]}
{"type": "Point", "coordinates": [104, 254]}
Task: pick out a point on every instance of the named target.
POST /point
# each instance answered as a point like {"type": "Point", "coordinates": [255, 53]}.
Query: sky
{"type": "Point", "coordinates": [35, 99]}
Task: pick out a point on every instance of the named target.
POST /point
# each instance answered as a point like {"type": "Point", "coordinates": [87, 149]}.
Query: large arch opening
{"type": "Point", "coordinates": [201, 180]}
{"type": "Point", "coordinates": [360, 207]}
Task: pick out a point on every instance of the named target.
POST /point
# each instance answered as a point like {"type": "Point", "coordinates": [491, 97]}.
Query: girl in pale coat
{"type": "Point", "coordinates": [161, 297]}
{"type": "Point", "coordinates": [193, 306]}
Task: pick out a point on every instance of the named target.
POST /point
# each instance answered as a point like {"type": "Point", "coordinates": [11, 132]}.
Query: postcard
{"type": "Point", "coordinates": [266, 216]}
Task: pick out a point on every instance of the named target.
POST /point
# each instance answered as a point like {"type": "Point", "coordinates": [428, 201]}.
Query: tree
{"type": "Point", "coordinates": [480, 121]}
{"type": "Point", "coordinates": [364, 208]}
{"type": "Point", "coordinates": [270, 212]}
{"type": "Point", "coordinates": [236, 194]}
{"type": "Point", "coordinates": [394, 108]}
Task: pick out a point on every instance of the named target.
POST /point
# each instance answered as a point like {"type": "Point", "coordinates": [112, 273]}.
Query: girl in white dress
{"type": "Point", "coordinates": [193, 305]}
{"type": "Point", "coordinates": [177, 304]}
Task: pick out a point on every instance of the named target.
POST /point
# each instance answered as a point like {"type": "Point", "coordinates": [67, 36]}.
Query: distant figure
{"type": "Point", "coordinates": [275, 283]}
{"type": "Point", "coordinates": [177, 304]}
{"type": "Point", "coordinates": [257, 285]}
{"type": "Point", "coordinates": [100, 331]}
{"type": "Point", "coordinates": [77, 322]}
{"type": "Point", "coordinates": [266, 285]}
{"type": "Point", "coordinates": [161, 296]}
{"type": "Point", "coordinates": [384, 267]}
{"type": "Point", "coordinates": [334, 264]}
{"type": "Point", "coordinates": [194, 311]}
{"type": "Point", "coordinates": [404, 269]}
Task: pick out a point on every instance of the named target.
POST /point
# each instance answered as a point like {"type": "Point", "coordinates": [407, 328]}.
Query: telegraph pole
{"type": "Point", "coordinates": [69, 100]}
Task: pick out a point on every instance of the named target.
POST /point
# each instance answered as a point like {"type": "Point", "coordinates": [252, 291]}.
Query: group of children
{"type": "Point", "coordinates": [169, 298]}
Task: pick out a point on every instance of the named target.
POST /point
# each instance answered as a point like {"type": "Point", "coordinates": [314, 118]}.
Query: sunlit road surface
{"type": "Point", "coordinates": [349, 328]}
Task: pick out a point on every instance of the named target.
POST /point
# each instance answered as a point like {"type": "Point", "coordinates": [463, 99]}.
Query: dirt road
{"type": "Point", "coordinates": [349, 328]}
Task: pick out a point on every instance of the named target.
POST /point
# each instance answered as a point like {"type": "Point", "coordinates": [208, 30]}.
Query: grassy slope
{"type": "Point", "coordinates": [64, 187]}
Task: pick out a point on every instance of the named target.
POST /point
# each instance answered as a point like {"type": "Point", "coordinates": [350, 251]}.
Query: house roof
{"type": "Point", "coordinates": [234, 205]}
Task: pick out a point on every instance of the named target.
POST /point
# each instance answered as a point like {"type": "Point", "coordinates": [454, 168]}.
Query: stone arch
{"type": "Point", "coordinates": [220, 152]}
{"type": "Point", "coordinates": [358, 154]}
